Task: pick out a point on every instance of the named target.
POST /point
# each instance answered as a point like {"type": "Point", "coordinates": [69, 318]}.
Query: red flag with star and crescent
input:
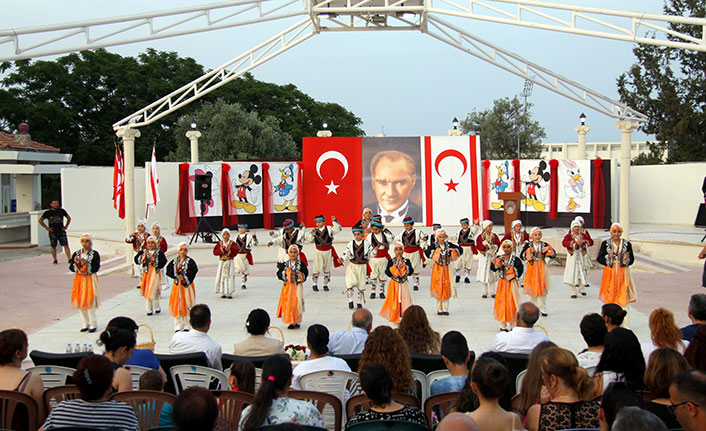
{"type": "Point", "coordinates": [333, 179]}
{"type": "Point", "coordinates": [452, 173]}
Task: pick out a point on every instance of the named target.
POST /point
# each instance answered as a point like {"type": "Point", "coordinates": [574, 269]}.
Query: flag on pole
{"type": "Point", "coordinates": [119, 182]}
{"type": "Point", "coordinates": [152, 184]}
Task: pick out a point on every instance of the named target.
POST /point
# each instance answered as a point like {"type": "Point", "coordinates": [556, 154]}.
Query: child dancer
{"type": "Point", "coordinates": [183, 270]}
{"type": "Point", "coordinates": [537, 278]}
{"type": "Point", "coordinates": [161, 245]}
{"type": "Point", "coordinates": [616, 256]}
{"type": "Point", "coordinates": [137, 239]}
{"type": "Point", "coordinates": [507, 295]}
{"type": "Point", "coordinates": [443, 286]}
{"type": "Point", "coordinates": [244, 242]}
{"type": "Point", "coordinates": [487, 244]}
{"type": "Point", "coordinates": [414, 241]}
{"type": "Point", "coordinates": [151, 261]}
{"type": "Point", "coordinates": [380, 240]}
{"type": "Point", "coordinates": [518, 237]}
{"type": "Point", "coordinates": [431, 243]}
{"type": "Point", "coordinates": [225, 276]}
{"type": "Point", "coordinates": [466, 239]}
{"type": "Point", "coordinates": [575, 272]}
{"type": "Point", "coordinates": [399, 297]}
{"type": "Point", "coordinates": [357, 254]}
{"type": "Point", "coordinates": [589, 243]}
{"type": "Point", "coordinates": [325, 254]}
{"type": "Point", "coordinates": [287, 236]}
{"type": "Point", "coordinates": [84, 295]}
{"type": "Point", "coordinates": [293, 273]}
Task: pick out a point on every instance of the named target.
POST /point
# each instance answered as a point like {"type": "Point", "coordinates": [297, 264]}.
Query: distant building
{"type": "Point", "coordinates": [604, 150]}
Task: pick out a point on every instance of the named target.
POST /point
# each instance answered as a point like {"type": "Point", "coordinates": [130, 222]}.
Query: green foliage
{"type": "Point", "coordinates": [500, 126]}
{"type": "Point", "coordinates": [228, 132]}
{"type": "Point", "coordinates": [669, 86]}
{"type": "Point", "coordinates": [654, 157]}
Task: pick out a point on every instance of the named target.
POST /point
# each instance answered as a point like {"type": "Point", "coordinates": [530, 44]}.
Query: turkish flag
{"type": "Point", "coordinates": [452, 176]}
{"type": "Point", "coordinates": [332, 179]}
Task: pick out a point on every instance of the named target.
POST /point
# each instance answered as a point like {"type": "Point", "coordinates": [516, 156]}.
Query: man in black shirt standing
{"type": "Point", "coordinates": [57, 229]}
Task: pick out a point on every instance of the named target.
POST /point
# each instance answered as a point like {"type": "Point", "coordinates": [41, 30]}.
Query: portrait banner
{"type": "Point", "coordinates": [535, 176]}
{"type": "Point", "coordinates": [283, 187]}
{"type": "Point", "coordinates": [246, 187]}
{"type": "Point", "coordinates": [213, 206]}
{"type": "Point", "coordinates": [574, 186]}
{"type": "Point", "coordinates": [502, 179]}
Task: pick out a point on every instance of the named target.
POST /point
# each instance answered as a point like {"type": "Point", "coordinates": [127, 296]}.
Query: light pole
{"type": "Point", "coordinates": [324, 133]}
{"type": "Point", "coordinates": [581, 129]}
{"type": "Point", "coordinates": [526, 92]}
{"type": "Point", "coordinates": [194, 136]}
{"type": "Point", "coordinates": [454, 131]}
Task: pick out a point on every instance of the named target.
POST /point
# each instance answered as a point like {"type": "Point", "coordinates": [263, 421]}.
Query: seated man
{"type": "Point", "coordinates": [522, 338]}
{"type": "Point", "coordinates": [198, 339]}
{"type": "Point", "coordinates": [687, 395]}
{"type": "Point", "coordinates": [697, 314]}
{"type": "Point", "coordinates": [195, 409]}
{"type": "Point", "coordinates": [317, 338]}
{"type": "Point", "coordinates": [352, 342]}
{"type": "Point", "coordinates": [454, 351]}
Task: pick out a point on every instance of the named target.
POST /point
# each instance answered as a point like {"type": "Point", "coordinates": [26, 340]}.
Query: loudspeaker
{"type": "Point", "coordinates": [202, 186]}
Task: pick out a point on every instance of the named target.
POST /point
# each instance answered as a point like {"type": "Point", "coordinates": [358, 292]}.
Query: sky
{"type": "Point", "coordinates": [404, 83]}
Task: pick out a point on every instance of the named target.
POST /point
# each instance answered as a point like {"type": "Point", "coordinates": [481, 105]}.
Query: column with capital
{"type": "Point", "coordinates": [194, 136]}
{"type": "Point", "coordinates": [582, 130]}
{"type": "Point", "coordinates": [626, 128]}
{"type": "Point", "coordinates": [128, 136]}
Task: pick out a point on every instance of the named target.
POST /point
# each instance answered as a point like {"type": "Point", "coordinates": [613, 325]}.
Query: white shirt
{"type": "Point", "coordinates": [649, 347]}
{"type": "Point", "coordinates": [519, 340]}
{"type": "Point", "coordinates": [321, 364]}
{"type": "Point", "coordinates": [347, 342]}
{"type": "Point", "coordinates": [197, 341]}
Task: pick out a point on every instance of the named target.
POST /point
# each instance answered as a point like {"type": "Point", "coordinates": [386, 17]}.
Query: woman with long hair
{"type": "Point", "coordinates": [531, 388]}
{"type": "Point", "coordinates": [119, 345]}
{"type": "Point", "coordinates": [665, 334]}
{"type": "Point", "coordinates": [569, 388]}
{"type": "Point", "coordinates": [614, 315]}
{"type": "Point", "coordinates": [385, 346]}
{"type": "Point", "coordinates": [13, 350]}
{"type": "Point", "coordinates": [621, 361]}
{"type": "Point", "coordinates": [417, 333]}
{"type": "Point", "coordinates": [271, 405]}
{"type": "Point", "coordinates": [662, 366]}
{"type": "Point", "coordinates": [489, 379]}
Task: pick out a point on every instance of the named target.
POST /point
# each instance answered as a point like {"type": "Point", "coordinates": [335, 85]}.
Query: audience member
{"type": "Point", "coordinates": [376, 381]}
{"type": "Point", "coordinates": [695, 354]}
{"type": "Point", "coordinates": [352, 342]}
{"type": "Point", "coordinates": [636, 419]}
{"type": "Point", "coordinates": [664, 333]}
{"type": "Point", "coordinates": [153, 380]}
{"type": "Point", "coordinates": [687, 398]}
{"type": "Point", "coordinates": [522, 338]}
{"type": "Point", "coordinates": [593, 331]}
{"type": "Point", "coordinates": [198, 339]}
{"type": "Point", "coordinates": [621, 361]}
{"type": "Point", "coordinates": [195, 408]}
{"type": "Point", "coordinates": [454, 351]}
{"type": "Point", "coordinates": [457, 422]}
{"type": "Point", "coordinates": [119, 345]}
{"type": "Point", "coordinates": [697, 315]}
{"type": "Point", "coordinates": [664, 364]}
{"type": "Point", "coordinates": [386, 347]}
{"type": "Point", "coordinates": [93, 377]}
{"type": "Point", "coordinates": [616, 396]}
{"type": "Point", "coordinates": [489, 379]}
{"type": "Point", "coordinates": [13, 350]}
{"type": "Point", "coordinates": [569, 388]}
{"type": "Point", "coordinates": [613, 314]}
{"type": "Point", "coordinates": [417, 333]}
{"type": "Point", "coordinates": [257, 344]}
{"type": "Point", "coordinates": [271, 405]}
{"type": "Point", "coordinates": [140, 357]}
{"type": "Point", "coordinates": [531, 386]}
{"type": "Point", "coordinates": [242, 377]}
{"type": "Point", "coordinates": [317, 338]}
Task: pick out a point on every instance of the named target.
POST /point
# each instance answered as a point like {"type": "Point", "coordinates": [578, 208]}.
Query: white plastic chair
{"type": "Point", "coordinates": [332, 382]}
{"type": "Point", "coordinates": [421, 378]}
{"type": "Point", "coordinates": [52, 376]}
{"type": "Point", "coordinates": [436, 375]}
{"type": "Point", "coordinates": [590, 370]}
{"type": "Point", "coordinates": [136, 372]}
{"type": "Point", "coordinates": [518, 380]}
{"type": "Point", "coordinates": [258, 378]}
{"type": "Point", "coordinates": [186, 376]}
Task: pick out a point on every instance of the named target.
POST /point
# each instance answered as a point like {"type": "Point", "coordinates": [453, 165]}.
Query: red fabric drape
{"type": "Point", "coordinates": [516, 187]}
{"type": "Point", "coordinates": [554, 189]}
{"type": "Point", "coordinates": [266, 197]}
{"type": "Point", "coordinates": [184, 222]}
{"type": "Point", "coordinates": [300, 198]}
{"type": "Point", "coordinates": [230, 214]}
{"type": "Point", "coordinates": [486, 189]}
{"type": "Point", "coordinates": [598, 190]}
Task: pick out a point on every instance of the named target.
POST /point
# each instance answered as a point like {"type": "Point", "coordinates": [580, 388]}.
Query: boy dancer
{"type": "Point", "coordinates": [325, 254]}
{"type": "Point", "coordinates": [287, 236]}
{"type": "Point", "coordinates": [466, 239]}
{"type": "Point", "coordinates": [357, 254]}
{"type": "Point", "coordinates": [244, 243]}
{"type": "Point", "coordinates": [379, 239]}
{"type": "Point", "coordinates": [414, 241]}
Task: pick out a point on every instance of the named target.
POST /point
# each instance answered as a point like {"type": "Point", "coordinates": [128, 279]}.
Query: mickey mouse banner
{"type": "Point", "coordinates": [246, 187]}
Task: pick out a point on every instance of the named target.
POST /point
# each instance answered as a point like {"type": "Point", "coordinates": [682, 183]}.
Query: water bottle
{"type": "Point", "coordinates": [90, 348]}
{"type": "Point", "coordinates": [85, 347]}
{"type": "Point", "coordinates": [69, 349]}
{"type": "Point", "coordinates": [77, 349]}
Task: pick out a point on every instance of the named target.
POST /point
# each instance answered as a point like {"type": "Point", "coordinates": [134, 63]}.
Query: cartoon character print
{"type": "Point", "coordinates": [536, 177]}
{"type": "Point", "coordinates": [285, 190]}
{"type": "Point", "coordinates": [575, 187]}
{"type": "Point", "coordinates": [501, 182]}
{"type": "Point", "coordinates": [246, 179]}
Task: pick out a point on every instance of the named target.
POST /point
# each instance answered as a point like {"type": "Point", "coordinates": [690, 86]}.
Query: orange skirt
{"type": "Point", "coordinates": [441, 282]}
{"type": "Point", "coordinates": [181, 300]}
{"type": "Point", "coordinates": [84, 293]}
{"type": "Point", "coordinates": [398, 299]}
{"type": "Point", "coordinates": [151, 283]}
{"type": "Point", "coordinates": [507, 300]}
{"type": "Point", "coordinates": [291, 304]}
{"type": "Point", "coordinates": [536, 279]}
{"type": "Point", "coordinates": [617, 286]}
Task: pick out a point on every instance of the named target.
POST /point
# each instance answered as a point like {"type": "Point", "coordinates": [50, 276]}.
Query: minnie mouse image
{"type": "Point", "coordinates": [246, 180]}
{"type": "Point", "coordinates": [533, 181]}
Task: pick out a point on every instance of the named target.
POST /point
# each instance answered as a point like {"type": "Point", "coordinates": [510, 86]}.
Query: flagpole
{"type": "Point", "coordinates": [128, 135]}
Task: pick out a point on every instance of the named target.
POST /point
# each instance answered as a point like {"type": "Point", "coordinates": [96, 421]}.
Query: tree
{"type": "Point", "coordinates": [229, 132]}
{"type": "Point", "coordinates": [669, 86]}
{"type": "Point", "coordinates": [500, 126]}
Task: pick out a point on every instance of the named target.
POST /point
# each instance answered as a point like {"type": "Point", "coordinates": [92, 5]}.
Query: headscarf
{"type": "Point", "coordinates": [616, 224]}
{"type": "Point", "coordinates": [225, 230]}
{"type": "Point", "coordinates": [536, 228]}
{"type": "Point", "coordinates": [506, 241]}
{"type": "Point", "coordinates": [575, 222]}
{"type": "Point", "coordinates": [293, 245]}
{"type": "Point", "coordinates": [440, 231]}
{"type": "Point", "coordinates": [515, 223]}
{"type": "Point", "coordinates": [142, 222]}
{"type": "Point", "coordinates": [579, 219]}
{"type": "Point", "coordinates": [183, 245]}
{"type": "Point", "coordinates": [485, 224]}
{"type": "Point", "coordinates": [87, 236]}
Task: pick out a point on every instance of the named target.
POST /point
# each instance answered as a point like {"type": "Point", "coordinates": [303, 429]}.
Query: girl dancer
{"type": "Point", "coordinates": [183, 270]}
{"type": "Point", "coordinates": [616, 256]}
{"type": "Point", "coordinates": [537, 278]}
{"type": "Point", "coordinates": [399, 297]}
{"type": "Point", "coordinates": [293, 273]}
{"type": "Point", "coordinates": [443, 286]}
{"type": "Point", "coordinates": [225, 276]}
{"type": "Point", "coordinates": [151, 261]}
{"type": "Point", "coordinates": [575, 272]}
{"type": "Point", "coordinates": [507, 295]}
{"type": "Point", "coordinates": [487, 244]}
{"type": "Point", "coordinates": [84, 295]}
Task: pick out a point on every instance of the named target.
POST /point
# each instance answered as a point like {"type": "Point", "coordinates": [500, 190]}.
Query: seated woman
{"type": "Point", "coordinates": [664, 333]}
{"type": "Point", "coordinates": [417, 333]}
{"type": "Point", "coordinates": [13, 350]}
{"type": "Point", "coordinates": [93, 377]}
{"type": "Point", "coordinates": [317, 337]}
{"type": "Point", "coordinates": [621, 361]}
{"type": "Point", "coordinates": [140, 357]}
{"type": "Point", "coordinates": [119, 345]}
{"type": "Point", "coordinates": [242, 377]}
{"type": "Point", "coordinates": [531, 390]}
{"type": "Point", "coordinates": [271, 405]}
{"type": "Point", "coordinates": [377, 387]}
{"type": "Point", "coordinates": [489, 379]}
{"type": "Point", "coordinates": [258, 344]}
{"type": "Point", "coordinates": [569, 388]}
{"type": "Point", "coordinates": [386, 347]}
{"type": "Point", "coordinates": [664, 364]}
{"type": "Point", "coordinates": [593, 331]}
{"type": "Point", "coordinates": [614, 315]}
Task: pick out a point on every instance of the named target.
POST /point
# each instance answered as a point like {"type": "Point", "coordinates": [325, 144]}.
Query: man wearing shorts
{"type": "Point", "coordinates": [57, 230]}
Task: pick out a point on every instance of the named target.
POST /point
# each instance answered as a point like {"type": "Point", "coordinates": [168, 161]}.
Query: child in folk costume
{"type": "Point", "coordinates": [84, 295]}
{"type": "Point", "coordinates": [431, 243]}
{"type": "Point", "coordinates": [575, 272]}
{"type": "Point", "coordinates": [293, 273]}
{"type": "Point", "coordinates": [357, 253]}
{"type": "Point", "coordinates": [616, 256]}
{"type": "Point", "coordinates": [288, 235]}
{"type": "Point", "coordinates": [380, 240]}
{"type": "Point", "coordinates": [226, 250]}
{"type": "Point", "coordinates": [151, 261]}
{"type": "Point", "coordinates": [466, 239]}
{"type": "Point", "coordinates": [589, 243]}
{"type": "Point", "coordinates": [325, 254]}
{"type": "Point", "coordinates": [487, 244]}
{"type": "Point", "coordinates": [414, 241]}
{"type": "Point", "coordinates": [517, 237]}
{"type": "Point", "coordinates": [183, 270]}
{"type": "Point", "coordinates": [507, 295]}
{"type": "Point", "coordinates": [137, 239]}
{"type": "Point", "coordinates": [443, 286]}
{"type": "Point", "coordinates": [244, 242]}
{"type": "Point", "coordinates": [537, 277]}
{"type": "Point", "coordinates": [399, 297]}
{"type": "Point", "coordinates": [161, 245]}
{"type": "Point", "coordinates": [366, 218]}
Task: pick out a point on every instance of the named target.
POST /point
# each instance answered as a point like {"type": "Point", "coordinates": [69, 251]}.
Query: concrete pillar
{"type": "Point", "coordinates": [582, 130]}
{"type": "Point", "coordinates": [194, 136]}
{"type": "Point", "coordinates": [626, 128]}
{"type": "Point", "coordinates": [128, 136]}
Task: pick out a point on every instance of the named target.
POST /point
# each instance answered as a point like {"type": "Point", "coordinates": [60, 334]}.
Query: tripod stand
{"type": "Point", "coordinates": [203, 229]}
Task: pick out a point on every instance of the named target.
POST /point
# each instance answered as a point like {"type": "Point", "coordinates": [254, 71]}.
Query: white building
{"type": "Point", "coordinates": [604, 150]}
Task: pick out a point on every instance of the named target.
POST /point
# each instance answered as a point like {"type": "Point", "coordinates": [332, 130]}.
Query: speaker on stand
{"type": "Point", "coordinates": [202, 193]}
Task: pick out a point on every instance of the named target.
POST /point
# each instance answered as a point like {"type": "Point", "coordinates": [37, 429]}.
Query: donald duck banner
{"type": "Point", "coordinates": [502, 179]}
{"type": "Point", "coordinates": [283, 186]}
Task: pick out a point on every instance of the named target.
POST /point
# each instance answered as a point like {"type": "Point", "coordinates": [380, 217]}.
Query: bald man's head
{"type": "Point", "coordinates": [363, 319]}
{"type": "Point", "coordinates": [457, 422]}
{"type": "Point", "coordinates": [527, 315]}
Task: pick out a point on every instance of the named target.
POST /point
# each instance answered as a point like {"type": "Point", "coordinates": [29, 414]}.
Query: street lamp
{"type": "Point", "coordinates": [526, 92]}
{"type": "Point", "coordinates": [193, 125]}
{"type": "Point", "coordinates": [324, 132]}
{"type": "Point", "coordinates": [454, 131]}
{"type": "Point", "coordinates": [455, 123]}
{"type": "Point", "coordinates": [582, 119]}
